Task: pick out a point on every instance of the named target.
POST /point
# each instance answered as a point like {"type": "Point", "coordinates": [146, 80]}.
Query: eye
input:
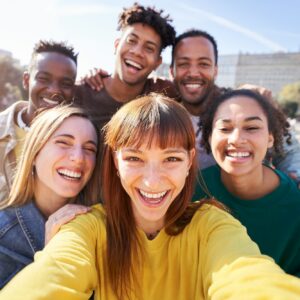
{"type": "Point", "coordinates": [67, 85]}
{"type": "Point", "coordinates": [90, 149]}
{"type": "Point", "coordinates": [150, 49]}
{"type": "Point", "coordinates": [173, 159]}
{"type": "Point", "coordinates": [132, 159]}
{"type": "Point", "coordinates": [63, 143]}
{"type": "Point", "coordinates": [224, 129]}
{"type": "Point", "coordinates": [252, 128]}
{"type": "Point", "coordinates": [131, 41]}
{"type": "Point", "coordinates": [42, 79]}
{"type": "Point", "coordinates": [183, 65]}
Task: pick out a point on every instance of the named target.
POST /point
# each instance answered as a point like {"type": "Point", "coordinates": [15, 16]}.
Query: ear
{"type": "Point", "coordinates": [116, 44]}
{"type": "Point", "coordinates": [159, 61]}
{"type": "Point", "coordinates": [171, 72]}
{"type": "Point", "coordinates": [115, 160]}
{"type": "Point", "coordinates": [216, 72]}
{"type": "Point", "coordinates": [26, 78]}
{"type": "Point", "coordinates": [270, 140]}
{"type": "Point", "coordinates": [192, 154]}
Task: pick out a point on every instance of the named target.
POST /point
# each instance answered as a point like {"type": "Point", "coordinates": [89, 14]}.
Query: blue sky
{"type": "Point", "coordinates": [248, 26]}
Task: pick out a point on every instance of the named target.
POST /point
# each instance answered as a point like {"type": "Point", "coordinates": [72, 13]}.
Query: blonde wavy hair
{"type": "Point", "coordinates": [42, 128]}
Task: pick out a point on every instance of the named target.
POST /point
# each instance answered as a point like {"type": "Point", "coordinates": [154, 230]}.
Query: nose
{"type": "Point", "coordinates": [137, 49]}
{"type": "Point", "coordinates": [76, 155]}
{"type": "Point", "coordinates": [54, 87]}
{"type": "Point", "coordinates": [236, 137]}
{"type": "Point", "coordinates": [193, 70]}
{"type": "Point", "coordinates": [152, 175]}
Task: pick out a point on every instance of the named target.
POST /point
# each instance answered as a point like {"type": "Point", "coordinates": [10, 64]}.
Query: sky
{"type": "Point", "coordinates": [246, 26]}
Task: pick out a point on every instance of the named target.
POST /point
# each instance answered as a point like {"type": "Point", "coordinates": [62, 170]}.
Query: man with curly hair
{"type": "Point", "coordinates": [49, 80]}
{"type": "Point", "coordinates": [145, 33]}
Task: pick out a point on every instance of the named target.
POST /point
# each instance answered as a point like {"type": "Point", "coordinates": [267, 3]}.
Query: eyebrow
{"type": "Point", "coordinates": [166, 151]}
{"type": "Point", "coordinates": [73, 138]}
{"type": "Point", "coordinates": [254, 118]}
{"type": "Point", "coordinates": [147, 42]}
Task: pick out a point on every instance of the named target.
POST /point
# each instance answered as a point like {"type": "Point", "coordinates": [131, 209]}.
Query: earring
{"type": "Point", "coordinates": [187, 173]}
{"type": "Point", "coordinates": [118, 174]}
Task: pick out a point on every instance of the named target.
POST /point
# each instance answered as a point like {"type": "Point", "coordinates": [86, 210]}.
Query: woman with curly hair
{"type": "Point", "coordinates": [148, 241]}
{"type": "Point", "coordinates": [241, 129]}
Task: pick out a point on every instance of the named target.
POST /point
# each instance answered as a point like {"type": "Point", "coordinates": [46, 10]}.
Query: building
{"type": "Point", "coordinates": [272, 71]}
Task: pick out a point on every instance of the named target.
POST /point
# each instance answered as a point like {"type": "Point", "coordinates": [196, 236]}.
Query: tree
{"type": "Point", "coordinates": [289, 98]}
{"type": "Point", "coordinates": [11, 88]}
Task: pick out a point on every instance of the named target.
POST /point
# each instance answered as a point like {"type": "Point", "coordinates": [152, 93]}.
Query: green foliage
{"type": "Point", "coordinates": [290, 93]}
{"type": "Point", "coordinates": [11, 88]}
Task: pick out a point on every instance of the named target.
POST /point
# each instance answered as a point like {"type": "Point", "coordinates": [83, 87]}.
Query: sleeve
{"type": "Point", "coordinates": [233, 267]}
{"type": "Point", "coordinates": [65, 269]}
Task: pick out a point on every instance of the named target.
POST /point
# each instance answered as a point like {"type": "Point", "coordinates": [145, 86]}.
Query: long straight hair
{"type": "Point", "coordinates": [149, 119]}
{"type": "Point", "coordinates": [42, 128]}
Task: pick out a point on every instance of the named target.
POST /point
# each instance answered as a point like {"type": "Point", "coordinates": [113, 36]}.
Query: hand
{"type": "Point", "coordinates": [62, 216]}
{"type": "Point", "coordinates": [95, 79]}
{"type": "Point", "coordinates": [261, 90]}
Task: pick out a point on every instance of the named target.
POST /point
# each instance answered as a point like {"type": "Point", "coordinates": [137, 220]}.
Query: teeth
{"type": "Point", "coordinates": [239, 154]}
{"type": "Point", "coordinates": [68, 173]}
{"type": "Point", "coordinates": [134, 64]}
{"type": "Point", "coordinates": [193, 85]}
{"type": "Point", "coordinates": [51, 102]}
{"type": "Point", "coordinates": [153, 195]}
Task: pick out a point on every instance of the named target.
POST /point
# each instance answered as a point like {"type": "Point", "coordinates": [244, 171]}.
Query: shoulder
{"type": "Point", "coordinates": [8, 219]}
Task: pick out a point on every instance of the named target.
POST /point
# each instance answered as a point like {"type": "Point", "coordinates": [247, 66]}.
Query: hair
{"type": "Point", "coordinates": [195, 33]}
{"type": "Point", "coordinates": [42, 128]}
{"type": "Point", "coordinates": [152, 17]}
{"type": "Point", "coordinates": [152, 119]}
{"type": "Point", "coordinates": [51, 46]}
{"type": "Point", "coordinates": [277, 122]}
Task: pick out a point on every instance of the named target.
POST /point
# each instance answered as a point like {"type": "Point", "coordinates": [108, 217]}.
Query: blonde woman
{"type": "Point", "coordinates": [55, 168]}
{"type": "Point", "coordinates": [148, 241]}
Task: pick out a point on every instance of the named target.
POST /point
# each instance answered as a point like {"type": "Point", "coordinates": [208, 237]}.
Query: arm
{"type": "Point", "coordinates": [235, 269]}
{"type": "Point", "coordinates": [65, 269]}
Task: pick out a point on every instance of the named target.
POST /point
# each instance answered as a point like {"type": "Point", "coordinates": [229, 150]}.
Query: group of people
{"type": "Point", "coordinates": [193, 184]}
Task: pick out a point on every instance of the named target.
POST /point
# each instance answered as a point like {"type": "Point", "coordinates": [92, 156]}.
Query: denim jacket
{"type": "Point", "coordinates": [22, 233]}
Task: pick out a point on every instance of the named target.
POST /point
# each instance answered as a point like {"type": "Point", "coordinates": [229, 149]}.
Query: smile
{"type": "Point", "coordinates": [69, 174]}
{"type": "Point", "coordinates": [133, 64]}
{"type": "Point", "coordinates": [54, 99]}
{"type": "Point", "coordinates": [238, 154]}
{"type": "Point", "coordinates": [152, 198]}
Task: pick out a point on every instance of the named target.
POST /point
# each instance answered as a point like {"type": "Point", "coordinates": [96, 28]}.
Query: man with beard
{"type": "Point", "coordinates": [194, 69]}
{"type": "Point", "coordinates": [49, 81]}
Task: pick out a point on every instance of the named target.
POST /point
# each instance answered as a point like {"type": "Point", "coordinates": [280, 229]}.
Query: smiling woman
{"type": "Point", "coordinates": [148, 241]}
{"type": "Point", "coordinates": [240, 129]}
{"type": "Point", "coordinates": [56, 167]}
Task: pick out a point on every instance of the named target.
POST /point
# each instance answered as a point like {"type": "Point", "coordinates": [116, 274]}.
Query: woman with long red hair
{"type": "Point", "coordinates": [148, 241]}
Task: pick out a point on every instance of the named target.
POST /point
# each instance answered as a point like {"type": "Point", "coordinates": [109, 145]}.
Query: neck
{"type": "Point", "coordinates": [48, 204]}
{"type": "Point", "coordinates": [253, 185]}
{"type": "Point", "coordinates": [195, 110]}
{"type": "Point", "coordinates": [121, 91]}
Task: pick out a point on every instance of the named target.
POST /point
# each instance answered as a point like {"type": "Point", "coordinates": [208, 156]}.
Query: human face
{"type": "Point", "coordinates": [194, 71]}
{"type": "Point", "coordinates": [152, 177]}
{"type": "Point", "coordinates": [137, 53]}
{"type": "Point", "coordinates": [66, 162]}
{"type": "Point", "coordinates": [240, 136]}
{"type": "Point", "coordinates": [50, 80]}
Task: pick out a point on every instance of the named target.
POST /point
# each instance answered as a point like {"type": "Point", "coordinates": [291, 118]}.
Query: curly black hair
{"type": "Point", "coordinates": [52, 46]}
{"type": "Point", "coordinates": [278, 125]}
{"type": "Point", "coordinates": [151, 17]}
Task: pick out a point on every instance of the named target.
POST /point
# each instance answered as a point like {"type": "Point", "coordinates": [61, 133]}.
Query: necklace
{"type": "Point", "coordinates": [20, 121]}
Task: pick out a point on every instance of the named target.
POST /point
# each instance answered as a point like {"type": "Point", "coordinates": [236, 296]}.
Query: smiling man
{"type": "Point", "coordinates": [49, 81]}
{"type": "Point", "coordinates": [145, 32]}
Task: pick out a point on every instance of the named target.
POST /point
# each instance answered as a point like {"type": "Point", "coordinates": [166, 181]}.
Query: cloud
{"type": "Point", "coordinates": [236, 27]}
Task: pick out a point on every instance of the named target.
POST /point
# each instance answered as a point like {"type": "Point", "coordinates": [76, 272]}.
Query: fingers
{"type": "Point", "coordinates": [95, 79]}
{"type": "Point", "coordinates": [62, 216]}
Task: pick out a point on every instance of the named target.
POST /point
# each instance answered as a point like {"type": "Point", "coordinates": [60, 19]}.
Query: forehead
{"type": "Point", "coordinates": [71, 125]}
{"type": "Point", "coordinates": [53, 62]}
{"type": "Point", "coordinates": [143, 32]}
{"type": "Point", "coordinates": [194, 48]}
{"type": "Point", "coordinates": [239, 107]}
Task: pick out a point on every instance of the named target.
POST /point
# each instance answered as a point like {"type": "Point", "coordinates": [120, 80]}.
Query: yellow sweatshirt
{"type": "Point", "coordinates": [213, 258]}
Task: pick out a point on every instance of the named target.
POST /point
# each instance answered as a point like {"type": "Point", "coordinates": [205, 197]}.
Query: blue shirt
{"type": "Point", "coordinates": [22, 233]}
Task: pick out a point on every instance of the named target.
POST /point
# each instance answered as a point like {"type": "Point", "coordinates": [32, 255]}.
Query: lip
{"type": "Point", "coordinates": [73, 175]}
{"type": "Point", "coordinates": [150, 202]}
{"type": "Point", "coordinates": [133, 66]}
{"type": "Point", "coordinates": [53, 100]}
{"type": "Point", "coordinates": [238, 156]}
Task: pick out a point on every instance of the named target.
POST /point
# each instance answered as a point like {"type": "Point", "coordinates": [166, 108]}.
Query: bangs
{"type": "Point", "coordinates": [158, 124]}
